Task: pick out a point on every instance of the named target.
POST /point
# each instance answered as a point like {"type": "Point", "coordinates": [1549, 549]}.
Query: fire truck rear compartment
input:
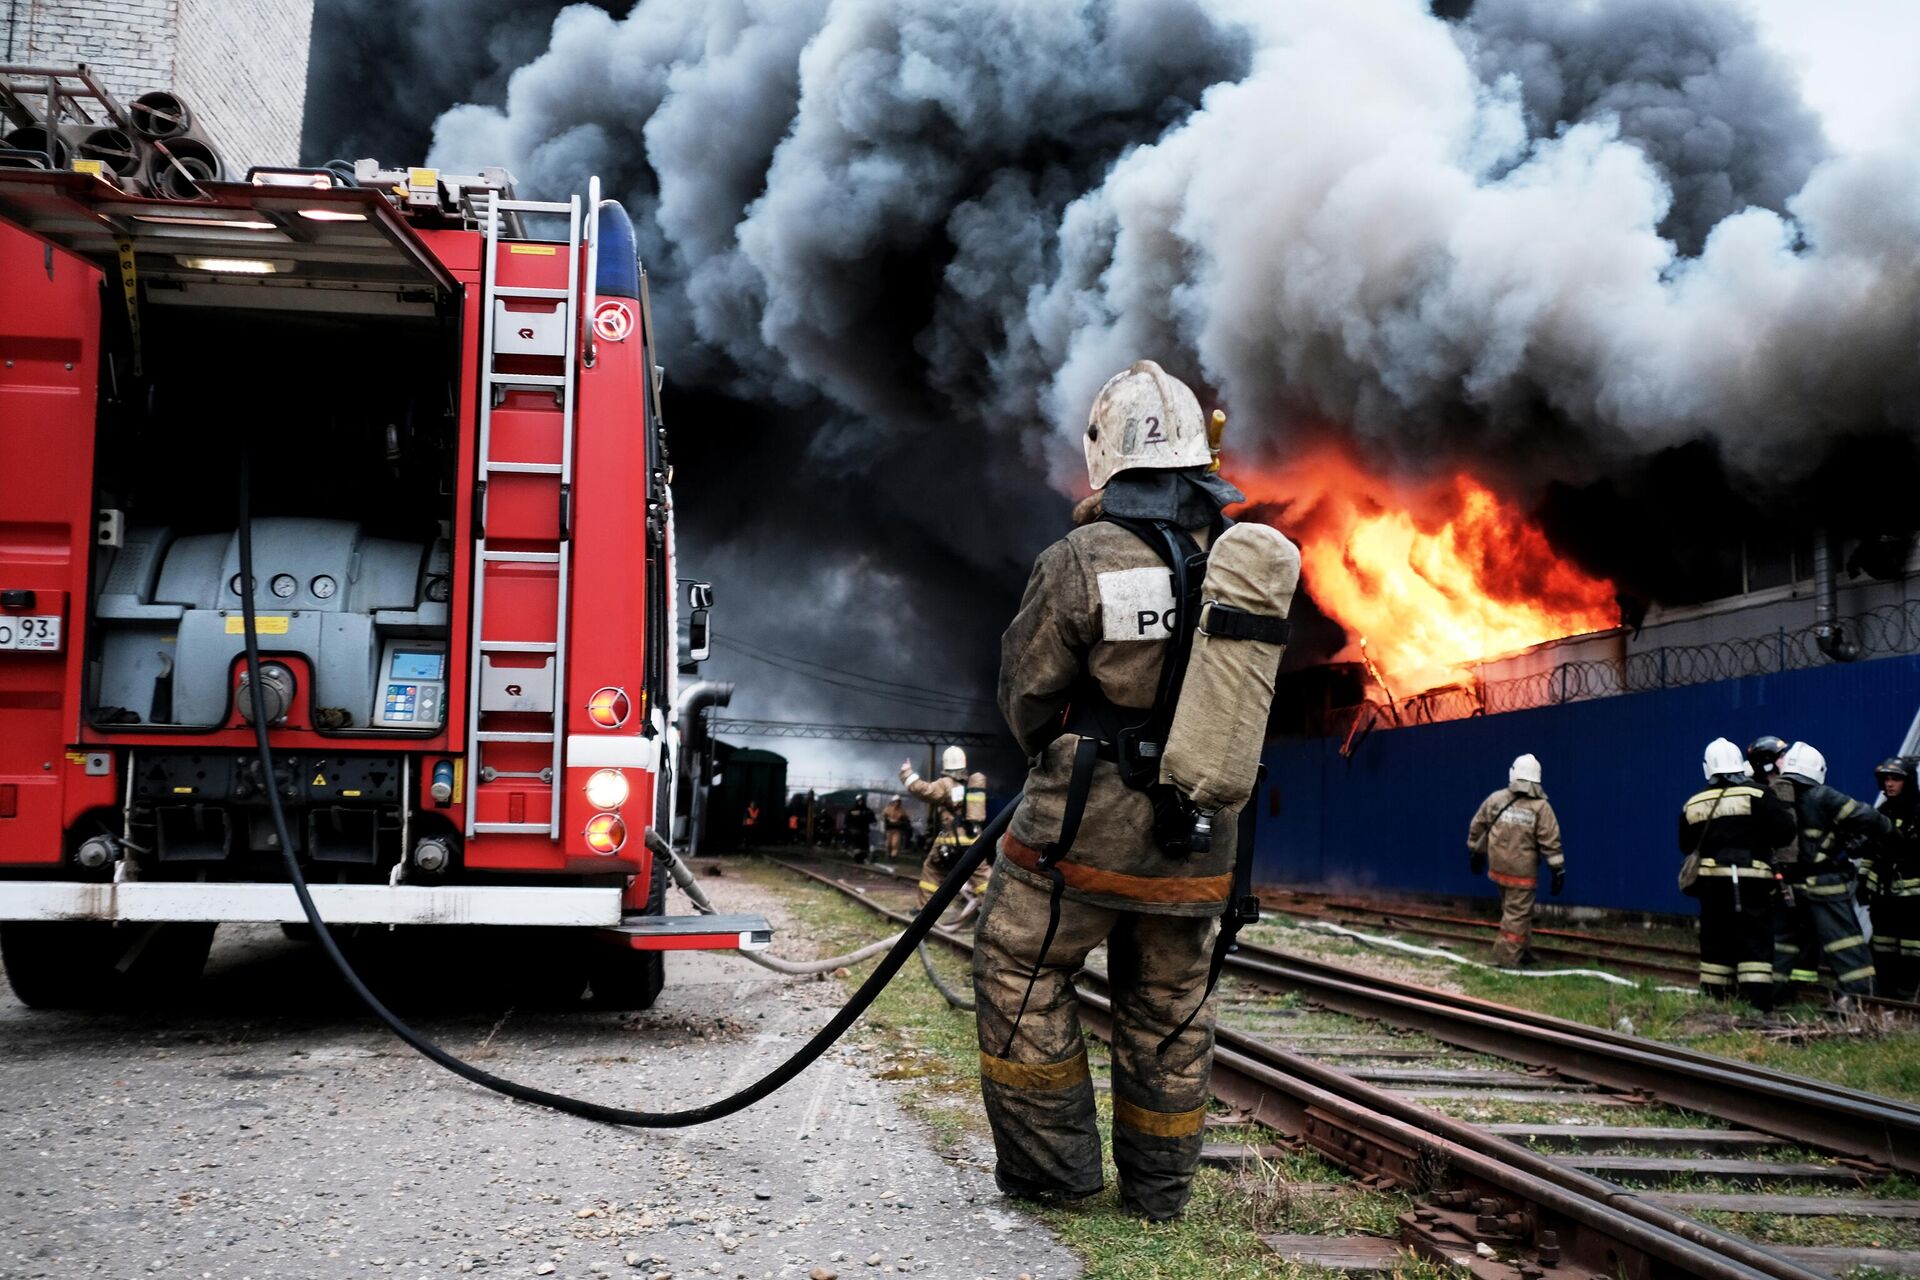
{"type": "Point", "coordinates": [352, 437]}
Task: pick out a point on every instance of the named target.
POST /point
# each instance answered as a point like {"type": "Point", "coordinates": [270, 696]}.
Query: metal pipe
{"type": "Point", "coordinates": [1828, 631]}
{"type": "Point", "coordinates": [696, 750]}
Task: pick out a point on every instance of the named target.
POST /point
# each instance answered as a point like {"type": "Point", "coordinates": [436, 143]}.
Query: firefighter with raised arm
{"type": "Point", "coordinates": [1734, 824]}
{"type": "Point", "coordinates": [956, 811]}
{"type": "Point", "coordinates": [1824, 884]}
{"type": "Point", "coordinates": [1890, 872]}
{"type": "Point", "coordinates": [1137, 676]}
{"type": "Point", "coordinates": [1512, 832]}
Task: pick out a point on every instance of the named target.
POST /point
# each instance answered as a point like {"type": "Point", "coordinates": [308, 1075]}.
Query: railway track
{"type": "Point", "coordinates": [1522, 1198]}
{"type": "Point", "coordinates": [1472, 935]}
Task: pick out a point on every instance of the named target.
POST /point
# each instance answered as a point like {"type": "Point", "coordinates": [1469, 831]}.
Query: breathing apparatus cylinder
{"type": "Point", "coordinates": [1212, 755]}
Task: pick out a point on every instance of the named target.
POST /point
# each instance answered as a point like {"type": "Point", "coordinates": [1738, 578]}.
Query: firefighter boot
{"type": "Point", "coordinates": [1038, 1094]}
{"type": "Point", "coordinates": [1157, 970]}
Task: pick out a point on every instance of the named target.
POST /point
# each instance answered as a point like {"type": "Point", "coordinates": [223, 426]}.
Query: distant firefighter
{"type": "Point", "coordinates": [1734, 825]}
{"type": "Point", "coordinates": [1512, 832]}
{"type": "Point", "coordinates": [1891, 871]}
{"type": "Point", "coordinates": [858, 826]}
{"type": "Point", "coordinates": [898, 825]}
{"type": "Point", "coordinates": [1823, 880]}
{"type": "Point", "coordinates": [956, 811]}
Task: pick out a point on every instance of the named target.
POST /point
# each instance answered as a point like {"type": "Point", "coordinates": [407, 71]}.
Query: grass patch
{"type": "Point", "coordinates": [914, 1036]}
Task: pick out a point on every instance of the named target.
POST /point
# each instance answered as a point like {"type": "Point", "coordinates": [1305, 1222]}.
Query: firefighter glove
{"type": "Point", "coordinates": [1477, 861]}
{"type": "Point", "coordinates": [1559, 880]}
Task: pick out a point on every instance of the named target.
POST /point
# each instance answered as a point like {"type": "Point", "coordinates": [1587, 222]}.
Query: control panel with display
{"type": "Point", "coordinates": [412, 689]}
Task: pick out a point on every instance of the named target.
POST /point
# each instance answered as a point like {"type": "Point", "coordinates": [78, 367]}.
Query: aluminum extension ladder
{"type": "Point", "coordinates": [487, 687]}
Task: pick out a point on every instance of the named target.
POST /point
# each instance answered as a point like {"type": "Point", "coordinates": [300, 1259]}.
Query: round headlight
{"type": "Point", "coordinates": [284, 585]}
{"type": "Point", "coordinates": [606, 833]}
{"type": "Point", "coordinates": [607, 789]}
{"type": "Point", "coordinates": [323, 587]}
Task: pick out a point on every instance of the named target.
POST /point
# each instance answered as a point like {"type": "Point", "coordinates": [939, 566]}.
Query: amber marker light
{"type": "Point", "coordinates": [607, 789]}
{"type": "Point", "coordinates": [609, 707]}
{"type": "Point", "coordinates": [606, 833]}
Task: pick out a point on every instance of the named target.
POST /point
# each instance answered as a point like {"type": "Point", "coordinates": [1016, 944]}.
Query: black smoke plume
{"type": "Point", "coordinates": [895, 248]}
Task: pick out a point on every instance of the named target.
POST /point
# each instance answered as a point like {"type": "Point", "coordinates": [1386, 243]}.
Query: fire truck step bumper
{"type": "Point", "coordinates": [692, 933]}
{"type": "Point", "coordinates": [338, 903]}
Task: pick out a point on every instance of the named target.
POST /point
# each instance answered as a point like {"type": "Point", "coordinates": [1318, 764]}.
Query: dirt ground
{"type": "Point", "coordinates": [272, 1130]}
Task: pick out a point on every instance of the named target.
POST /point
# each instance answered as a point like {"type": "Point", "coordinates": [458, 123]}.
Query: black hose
{"type": "Point", "coordinates": [954, 999]}
{"type": "Point", "coordinates": [822, 1039]}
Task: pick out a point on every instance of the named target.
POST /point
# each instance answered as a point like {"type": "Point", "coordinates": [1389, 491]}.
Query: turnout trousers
{"type": "Point", "coordinates": [1736, 939]}
{"type": "Point", "coordinates": [1516, 919]}
{"type": "Point", "coordinates": [1039, 1095]}
{"type": "Point", "coordinates": [1821, 928]}
{"type": "Point", "coordinates": [1896, 939]}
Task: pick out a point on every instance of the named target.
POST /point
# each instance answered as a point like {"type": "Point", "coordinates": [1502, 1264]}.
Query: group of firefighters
{"type": "Point", "coordinates": [1790, 873]}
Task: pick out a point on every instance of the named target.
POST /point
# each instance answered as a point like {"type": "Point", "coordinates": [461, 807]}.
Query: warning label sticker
{"type": "Point", "coordinates": [264, 624]}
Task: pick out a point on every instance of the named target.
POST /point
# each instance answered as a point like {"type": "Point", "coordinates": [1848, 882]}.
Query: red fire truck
{"type": "Point", "coordinates": [462, 535]}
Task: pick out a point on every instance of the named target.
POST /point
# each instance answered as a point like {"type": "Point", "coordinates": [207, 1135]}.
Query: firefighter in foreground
{"type": "Point", "coordinates": [1734, 826]}
{"type": "Point", "coordinates": [1823, 880]}
{"type": "Point", "coordinates": [1511, 833]}
{"type": "Point", "coordinates": [1891, 876]}
{"type": "Point", "coordinates": [956, 810]}
{"type": "Point", "coordinates": [1127, 832]}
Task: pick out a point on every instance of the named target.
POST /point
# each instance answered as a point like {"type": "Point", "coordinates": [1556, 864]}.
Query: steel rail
{"type": "Point", "coordinates": [1881, 1129]}
{"type": "Point", "coordinates": [1386, 1135]}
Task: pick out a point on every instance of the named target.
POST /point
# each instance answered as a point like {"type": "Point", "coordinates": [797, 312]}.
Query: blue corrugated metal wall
{"type": "Point", "coordinates": [1617, 769]}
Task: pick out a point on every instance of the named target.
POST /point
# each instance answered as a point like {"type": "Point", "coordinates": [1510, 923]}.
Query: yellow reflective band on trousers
{"type": "Point", "coordinates": [1856, 975]}
{"type": "Point", "coordinates": [1159, 1124]}
{"type": "Point", "coordinates": [926, 887]}
{"type": "Point", "coordinates": [1841, 944]}
{"type": "Point", "coordinates": [1035, 1075]}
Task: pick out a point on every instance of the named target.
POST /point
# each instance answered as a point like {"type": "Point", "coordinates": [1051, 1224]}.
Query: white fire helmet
{"type": "Point", "coordinates": [1722, 757]}
{"type": "Point", "coordinates": [1803, 764]}
{"type": "Point", "coordinates": [1144, 417]}
{"type": "Point", "coordinates": [953, 760]}
{"type": "Point", "coordinates": [1524, 769]}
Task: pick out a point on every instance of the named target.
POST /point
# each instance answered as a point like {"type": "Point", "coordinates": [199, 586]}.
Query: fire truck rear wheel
{"type": "Point", "coordinates": [59, 964]}
{"type": "Point", "coordinates": [627, 979]}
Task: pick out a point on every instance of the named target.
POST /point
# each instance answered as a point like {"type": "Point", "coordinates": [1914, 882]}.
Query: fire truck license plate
{"type": "Point", "coordinates": [32, 631]}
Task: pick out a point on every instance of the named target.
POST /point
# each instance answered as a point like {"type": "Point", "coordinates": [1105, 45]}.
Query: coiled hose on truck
{"type": "Point", "coordinates": [822, 1039]}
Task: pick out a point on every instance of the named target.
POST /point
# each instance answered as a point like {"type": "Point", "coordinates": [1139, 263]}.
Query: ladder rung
{"type": "Point", "coordinates": [504, 735]}
{"type": "Point", "coordinates": [523, 557]}
{"type": "Point", "coordinates": [526, 468]}
{"type": "Point", "coordinates": [518, 646]}
{"type": "Point", "coordinates": [528, 291]}
{"type": "Point", "coordinates": [534, 206]}
{"type": "Point", "coordinates": [527, 379]}
{"type": "Point", "coordinates": [512, 828]}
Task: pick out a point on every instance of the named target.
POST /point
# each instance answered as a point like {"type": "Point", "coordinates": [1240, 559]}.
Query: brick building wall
{"type": "Point", "coordinates": [241, 65]}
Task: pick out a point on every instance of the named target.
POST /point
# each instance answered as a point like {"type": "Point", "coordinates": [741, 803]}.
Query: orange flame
{"type": "Point", "coordinates": [1428, 577]}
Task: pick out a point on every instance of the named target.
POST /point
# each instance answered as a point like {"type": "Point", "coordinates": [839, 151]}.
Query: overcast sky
{"type": "Point", "coordinates": [1856, 59]}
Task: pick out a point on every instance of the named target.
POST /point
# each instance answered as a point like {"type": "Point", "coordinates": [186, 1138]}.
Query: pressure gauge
{"type": "Point", "coordinates": [284, 585]}
{"type": "Point", "coordinates": [233, 584]}
{"type": "Point", "coordinates": [323, 587]}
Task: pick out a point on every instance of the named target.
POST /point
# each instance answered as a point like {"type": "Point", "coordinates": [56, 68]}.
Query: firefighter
{"type": "Point", "coordinates": [1085, 650]}
{"type": "Point", "coordinates": [1511, 833]}
{"type": "Point", "coordinates": [750, 823]}
{"type": "Point", "coordinates": [952, 802]}
{"type": "Point", "coordinates": [1823, 880]}
{"type": "Point", "coordinates": [1890, 874]}
{"type": "Point", "coordinates": [1796, 952]}
{"type": "Point", "coordinates": [894, 819]}
{"type": "Point", "coordinates": [1734, 825]}
{"type": "Point", "coordinates": [858, 825]}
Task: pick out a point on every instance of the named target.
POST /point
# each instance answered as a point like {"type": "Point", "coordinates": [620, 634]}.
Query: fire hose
{"type": "Point", "coordinates": [683, 877]}
{"type": "Point", "coordinates": [902, 947]}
